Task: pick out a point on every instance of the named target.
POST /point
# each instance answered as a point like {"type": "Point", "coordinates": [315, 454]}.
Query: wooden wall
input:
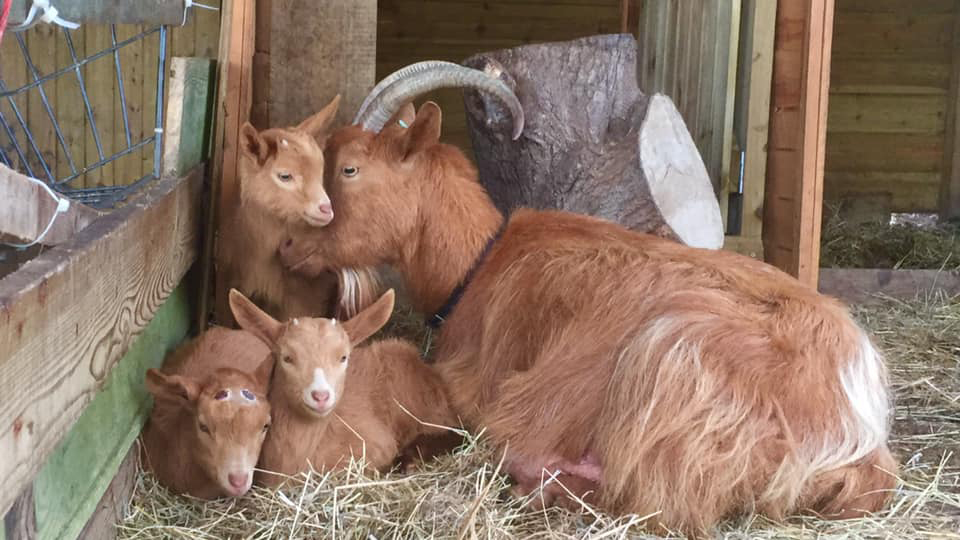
{"type": "Point", "coordinates": [413, 30]}
{"type": "Point", "coordinates": [50, 52]}
{"type": "Point", "coordinates": [892, 63]}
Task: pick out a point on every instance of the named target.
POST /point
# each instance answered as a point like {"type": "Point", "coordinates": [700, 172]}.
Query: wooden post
{"type": "Point", "coordinates": [234, 95]}
{"type": "Point", "coordinates": [307, 52]}
{"type": "Point", "coordinates": [950, 183]}
{"type": "Point", "coordinates": [798, 123]}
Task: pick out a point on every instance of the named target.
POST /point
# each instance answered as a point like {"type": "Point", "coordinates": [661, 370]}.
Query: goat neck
{"type": "Point", "coordinates": [456, 220]}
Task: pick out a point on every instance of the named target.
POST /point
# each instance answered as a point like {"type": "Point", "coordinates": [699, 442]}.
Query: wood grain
{"type": "Point", "coordinates": [28, 216]}
{"type": "Point", "coordinates": [866, 285]}
{"type": "Point", "coordinates": [71, 313]}
{"type": "Point", "coordinates": [237, 32]}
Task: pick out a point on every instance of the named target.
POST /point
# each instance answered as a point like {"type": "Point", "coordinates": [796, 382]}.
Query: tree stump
{"type": "Point", "coordinates": [593, 142]}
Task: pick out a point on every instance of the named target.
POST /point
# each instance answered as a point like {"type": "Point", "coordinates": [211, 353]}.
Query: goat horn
{"type": "Point", "coordinates": [420, 80]}
{"type": "Point", "coordinates": [390, 79]}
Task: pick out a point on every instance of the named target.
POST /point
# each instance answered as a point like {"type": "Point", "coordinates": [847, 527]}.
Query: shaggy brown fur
{"type": "Point", "coordinates": [197, 441]}
{"type": "Point", "coordinates": [698, 384]}
{"type": "Point", "coordinates": [333, 401]}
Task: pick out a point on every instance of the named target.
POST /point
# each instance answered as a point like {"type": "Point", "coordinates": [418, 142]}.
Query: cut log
{"type": "Point", "coordinates": [593, 142]}
{"type": "Point", "coordinates": [27, 207]}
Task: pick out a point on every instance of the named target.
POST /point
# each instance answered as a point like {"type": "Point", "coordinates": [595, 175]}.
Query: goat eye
{"type": "Point", "coordinates": [350, 171]}
{"type": "Point", "coordinates": [204, 428]}
{"type": "Point", "coordinates": [266, 427]}
{"type": "Point", "coordinates": [287, 359]}
{"type": "Point", "coordinates": [284, 177]}
{"type": "Point", "coordinates": [343, 358]}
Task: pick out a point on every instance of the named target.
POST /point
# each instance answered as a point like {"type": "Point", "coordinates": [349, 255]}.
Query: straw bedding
{"type": "Point", "coordinates": [464, 495]}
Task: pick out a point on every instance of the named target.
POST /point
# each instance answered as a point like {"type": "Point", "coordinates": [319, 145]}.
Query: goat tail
{"type": "Point", "coordinates": [357, 289]}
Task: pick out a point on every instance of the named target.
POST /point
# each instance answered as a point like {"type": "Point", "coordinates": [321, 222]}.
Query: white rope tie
{"type": "Point", "coordinates": [188, 3]}
{"type": "Point", "coordinates": [50, 16]}
{"type": "Point", "coordinates": [63, 204]}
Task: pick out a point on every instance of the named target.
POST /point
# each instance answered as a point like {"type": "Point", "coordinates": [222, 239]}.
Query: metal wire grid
{"type": "Point", "coordinates": [102, 197]}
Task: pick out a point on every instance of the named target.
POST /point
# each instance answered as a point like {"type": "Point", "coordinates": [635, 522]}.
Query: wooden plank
{"type": "Point", "coordinates": [751, 246]}
{"type": "Point", "coordinates": [70, 111]}
{"type": "Point", "coordinates": [67, 319]}
{"type": "Point", "coordinates": [949, 202]}
{"type": "Point", "coordinates": [761, 17]}
{"type": "Point", "coordinates": [31, 209]}
{"type": "Point", "coordinates": [857, 113]}
{"type": "Point", "coordinates": [207, 25]}
{"type": "Point", "coordinates": [866, 285]}
{"type": "Point", "coordinates": [78, 473]}
{"type": "Point", "coordinates": [112, 508]}
{"type": "Point", "coordinates": [129, 168]}
{"type": "Point", "coordinates": [895, 6]}
{"type": "Point", "coordinates": [891, 35]}
{"type": "Point", "coordinates": [237, 32]}
{"type": "Point", "coordinates": [13, 70]}
{"type": "Point", "coordinates": [101, 83]}
{"type": "Point", "coordinates": [874, 76]}
{"type": "Point", "coordinates": [42, 47]}
{"type": "Point", "coordinates": [909, 192]}
{"type": "Point", "coordinates": [188, 110]}
{"type": "Point", "coordinates": [816, 90]}
{"type": "Point", "coordinates": [907, 152]}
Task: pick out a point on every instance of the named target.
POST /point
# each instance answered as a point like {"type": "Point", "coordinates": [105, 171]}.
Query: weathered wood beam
{"type": "Point", "coordinates": [27, 207]}
{"type": "Point", "coordinates": [865, 285]}
{"type": "Point", "coordinates": [70, 314]}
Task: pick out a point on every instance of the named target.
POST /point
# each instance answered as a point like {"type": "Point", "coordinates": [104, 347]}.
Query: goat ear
{"type": "Point", "coordinates": [425, 130]}
{"type": "Point", "coordinates": [254, 320]}
{"type": "Point", "coordinates": [318, 124]}
{"type": "Point", "coordinates": [252, 144]}
{"type": "Point", "coordinates": [371, 319]}
{"type": "Point", "coordinates": [172, 387]}
{"type": "Point", "coordinates": [405, 116]}
{"type": "Point", "coordinates": [263, 372]}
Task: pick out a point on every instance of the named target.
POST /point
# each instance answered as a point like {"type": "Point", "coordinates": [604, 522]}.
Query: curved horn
{"type": "Point", "coordinates": [420, 81]}
{"type": "Point", "coordinates": [390, 79]}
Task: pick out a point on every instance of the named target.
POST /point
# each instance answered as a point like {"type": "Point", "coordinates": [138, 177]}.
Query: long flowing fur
{"type": "Point", "coordinates": [705, 383]}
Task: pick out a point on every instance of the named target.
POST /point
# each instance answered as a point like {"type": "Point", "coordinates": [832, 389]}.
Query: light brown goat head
{"type": "Point", "coordinates": [231, 417]}
{"type": "Point", "coordinates": [281, 169]}
{"type": "Point", "coordinates": [312, 353]}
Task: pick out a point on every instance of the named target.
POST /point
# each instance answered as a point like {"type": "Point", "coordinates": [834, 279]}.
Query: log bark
{"type": "Point", "coordinates": [593, 142]}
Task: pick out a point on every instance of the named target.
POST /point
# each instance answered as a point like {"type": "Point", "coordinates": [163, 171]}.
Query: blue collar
{"type": "Point", "coordinates": [434, 321]}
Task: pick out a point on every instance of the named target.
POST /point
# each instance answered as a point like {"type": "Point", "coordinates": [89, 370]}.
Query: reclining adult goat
{"type": "Point", "coordinates": [698, 384]}
{"type": "Point", "coordinates": [281, 188]}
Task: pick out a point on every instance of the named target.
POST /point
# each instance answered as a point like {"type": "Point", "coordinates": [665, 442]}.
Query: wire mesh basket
{"type": "Point", "coordinates": [86, 119]}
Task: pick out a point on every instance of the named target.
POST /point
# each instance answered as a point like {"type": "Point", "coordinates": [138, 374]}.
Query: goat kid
{"type": "Point", "coordinates": [333, 401]}
{"type": "Point", "coordinates": [210, 414]}
{"type": "Point", "coordinates": [659, 378]}
{"type": "Point", "coordinates": [281, 189]}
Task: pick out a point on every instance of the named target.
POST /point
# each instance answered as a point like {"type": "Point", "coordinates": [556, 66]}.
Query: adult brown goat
{"type": "Point", "coordinates": [691, 384]}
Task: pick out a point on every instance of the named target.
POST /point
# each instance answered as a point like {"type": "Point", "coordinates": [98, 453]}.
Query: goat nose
{"type": "Point", "coordinates": [325, 209]}
{"type": "Point", "coordinates": [320, 397]}
{"type": "Point", "coordinates": [237, 480]}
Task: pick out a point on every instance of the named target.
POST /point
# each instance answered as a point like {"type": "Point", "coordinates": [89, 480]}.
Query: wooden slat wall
{"type": "Point", "coordinates": [689, 53]}
{"type": "Point", "coordinates": [413, 30]}
{"type": "Point", "coordinates": [49, 51]}
{"type": "Point", "coordinates": [888, 100]}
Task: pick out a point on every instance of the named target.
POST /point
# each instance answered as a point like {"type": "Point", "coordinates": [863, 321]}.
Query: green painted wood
{"type": "Point", "coordinates": [71, 483]}
{"type": "Point", "coordinates": [189, 114]}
